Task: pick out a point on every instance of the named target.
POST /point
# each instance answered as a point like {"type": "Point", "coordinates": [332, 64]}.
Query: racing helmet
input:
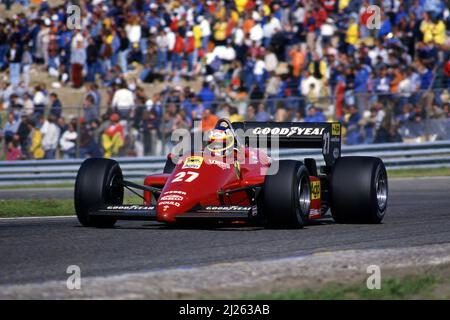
{"type": "Point", "coordinates": [220, 142]}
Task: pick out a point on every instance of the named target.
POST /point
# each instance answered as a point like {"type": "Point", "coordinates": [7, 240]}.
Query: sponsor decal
{"type": "Point", "coordinates": [219, 163]}
{"type": "Point", "coordinates": [130, 207]}
{"type": "Point", "coordinates": [314, 214]}
{"type": "Point", "coordinates": [288, 132]}
{"type": "Point", "coordinates": [335, 139]}
{"type": "Point", "coordinates": [168, 203]}
{"type": "Point", "coordinates": [336, 153]}
{"type": "Point", "coordinates": [175, 192]}
{"type": "Point", "coordinates": [228, 208]}
{"type": "Point", "coordinates": [172, 197]}
{"type": "Point", "coordinates": [315, 190]}
{"type": "Point", "coordinates": [336, 129]}
{"type": "Point", "coordinates": [326, 143]}
{"type": "Point", "coordinates": [193, 162]}
{"type": "Point", "coordinates": [254, 211]}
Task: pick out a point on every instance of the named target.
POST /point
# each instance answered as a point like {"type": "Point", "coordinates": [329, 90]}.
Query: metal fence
{"type": "Point", "coordinates": [395, 156]}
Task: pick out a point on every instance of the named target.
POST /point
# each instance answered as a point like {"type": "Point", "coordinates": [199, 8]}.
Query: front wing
{"type": "Point", "coordinates": [148, 213]}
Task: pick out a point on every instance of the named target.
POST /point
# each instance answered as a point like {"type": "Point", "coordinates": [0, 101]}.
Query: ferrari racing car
{"type": "Point", "coordinates": [233, 179]}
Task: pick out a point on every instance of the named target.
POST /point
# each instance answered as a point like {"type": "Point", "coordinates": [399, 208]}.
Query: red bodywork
{"type": "Point", "coordinates": [200, 182]}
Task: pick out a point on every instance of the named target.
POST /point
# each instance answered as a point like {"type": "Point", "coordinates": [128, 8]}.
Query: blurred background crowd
{"type": "Point", "coordinates": [138, 70]}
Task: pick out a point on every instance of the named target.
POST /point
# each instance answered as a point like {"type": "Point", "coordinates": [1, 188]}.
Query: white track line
{"type": "Point", "coordinates": [419, 178]}
{"type": "Point", "coordinates": [35, 218]}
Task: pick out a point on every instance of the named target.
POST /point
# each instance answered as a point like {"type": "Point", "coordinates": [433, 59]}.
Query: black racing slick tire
{"type": "Point", "coordinates": [98, 184]}
{"type": "Point", "coordinates": [287, 195]}
{"type": "Point", "coordinates": [358, 190]}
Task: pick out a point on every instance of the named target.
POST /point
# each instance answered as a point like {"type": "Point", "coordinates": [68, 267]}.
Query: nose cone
{"type": "Point", "coordinates": [192, 187]}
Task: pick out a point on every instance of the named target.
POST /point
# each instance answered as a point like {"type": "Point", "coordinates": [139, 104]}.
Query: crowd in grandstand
{"type": "Point", "coordinates": [290, 60]}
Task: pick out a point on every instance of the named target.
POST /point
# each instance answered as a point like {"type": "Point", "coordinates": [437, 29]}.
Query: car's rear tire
{"type": "Point", "coordinates": [287, 195]}
{"type": "Point", "coordinates": [358, 190]}
{"type": "Point", "coordinates": [98, 184]}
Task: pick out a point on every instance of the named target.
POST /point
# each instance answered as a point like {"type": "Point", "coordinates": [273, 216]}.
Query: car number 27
{"type": "Point", "coordinates": [181, 176]}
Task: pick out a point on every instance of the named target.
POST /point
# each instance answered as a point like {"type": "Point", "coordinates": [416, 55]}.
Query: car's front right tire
{"type": "Point", "coordinates": [98, 184]}
{"type": "Point", "coordinates": [287, 195]}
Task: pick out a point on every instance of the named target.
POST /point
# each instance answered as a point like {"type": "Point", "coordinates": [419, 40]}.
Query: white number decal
{"type": "Point", "coordinates": [193, 176]}
{"type": "Point", "coordinates": [180, 175]}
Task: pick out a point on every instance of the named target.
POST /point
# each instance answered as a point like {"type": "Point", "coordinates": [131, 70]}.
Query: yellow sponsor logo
{"type": "Point", "coordinates": [315, 190]}
{"type": "Point", "coordinates": [193, 162]}
{"type": "Point", "coordinates": [336, 129]}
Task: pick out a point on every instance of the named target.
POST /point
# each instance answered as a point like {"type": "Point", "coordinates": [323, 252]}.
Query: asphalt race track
{"type": "Point", "coordinates": [40, 249]}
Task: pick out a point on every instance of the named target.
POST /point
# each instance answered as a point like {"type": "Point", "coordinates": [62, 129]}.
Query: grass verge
{"type": "Point", "coordinates": [36, 208]}
{"type": "Point", "coordinates": [37, 186]}
{"type": "Point", "coordinates": [434, 172]}
{"type": "Point", "coordinates": [407, 287]}
{"type": "Point", "coordinates": [45, 207]}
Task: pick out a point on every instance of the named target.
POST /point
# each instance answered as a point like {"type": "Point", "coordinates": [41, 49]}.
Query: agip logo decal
{"type": "Point", "coordinates": [315, 190]}
{"type": "Point", "coordinates": [194, 162]}
{"type": "Point", "coordinates": [336, 129]}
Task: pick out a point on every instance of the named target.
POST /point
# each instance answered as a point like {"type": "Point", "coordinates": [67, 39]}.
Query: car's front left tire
{"type": "Point", "coordinates": [98, 184]}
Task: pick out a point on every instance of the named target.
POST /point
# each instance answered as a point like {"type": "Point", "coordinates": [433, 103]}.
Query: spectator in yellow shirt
{"type": "Point", "coordinates": [438, 32]}
{"type": "Point", "coordinates": [220, 32]}
{"type": "Point", "coordinates": [36, 149]}
{"type": "Point", "coordinates": [352, 32]}
{"type": "Point", "coordinates": [235, 116]}
{"type": "Point", "coordinates": [240, 5]}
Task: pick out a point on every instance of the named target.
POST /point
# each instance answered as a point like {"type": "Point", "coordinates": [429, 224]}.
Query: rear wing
{"type": "Point", "coordinates": [298, 135]}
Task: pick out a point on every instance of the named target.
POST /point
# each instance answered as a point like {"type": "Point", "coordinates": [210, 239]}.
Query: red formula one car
{"type": "Point", "coordinates": [231, 179]}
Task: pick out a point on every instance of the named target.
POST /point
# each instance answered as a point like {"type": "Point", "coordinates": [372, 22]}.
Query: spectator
{"type": "Point", "coordinates": [55, 105]}
{"type": "Point", "coordinates": [162, 44]}
{"type": "Point", "coordinates": [78, 59]}
{"type": "Point", "coordinates": [88, 144]}
{"type": "Point", "coordinates": [206, 95]}
{"type": "Point", "coordinates": [28, 105]}
{"type": "Point", "coordinates": [23, 134]}
{"type": "Point", "coordinates": [262, 114]}
{"type": "Point", "coordinates": [13, 152]}
{"type": "Point", "coordinates": [113, 137]}
{"type": "Point", "coordinates": [149, 125]}
{"type": "Point", "coordinates": [123, 101]}
{"type": "Point", "coordinates": [50, 136]}
{"type": "Point", "coordinates": [209, 120]}
{"type": "Point", "coordinates": [15, 59]}
{"type": "Point", "coordinates": [352, 125]}
{"type": "Point", "coordinates": [90, 111]}
{"type": "Point", "coordinates": [94, 67]}
{"type": "Point", "coordinates": [36, 149]}
{"type": "Point", "coordinates": [315, 115]}
{"type": "Point", "coordinates": [39, 100]}
{"type": "Point", "coordinates": [11, 128]}
{"type": "Point", "coordinates": [251, 113]}
{"type": "Point", "coordinates": [67, 142]}
{"type": "Point", "coordinates": [27, 60]}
